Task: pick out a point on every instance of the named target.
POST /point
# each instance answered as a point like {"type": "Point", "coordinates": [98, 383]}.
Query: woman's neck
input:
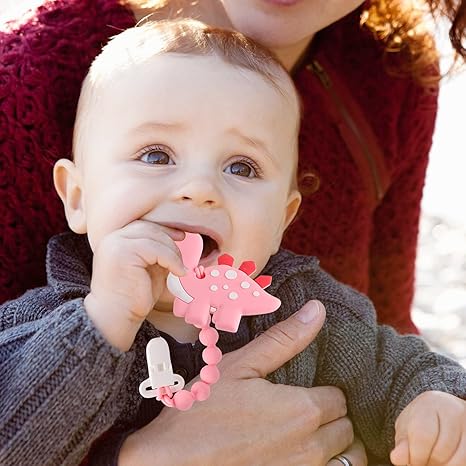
{"type": "Point", "coordinates": [212, 12]}
{"type": "Point", "coordinates": [292, 55]}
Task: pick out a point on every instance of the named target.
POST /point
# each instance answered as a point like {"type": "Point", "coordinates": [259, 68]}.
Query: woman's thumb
{"type": "Point", "coordinates": [280, 343]}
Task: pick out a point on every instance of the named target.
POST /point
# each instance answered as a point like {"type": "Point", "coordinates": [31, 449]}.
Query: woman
{"type": "Point", "coordinates": [366, 132]}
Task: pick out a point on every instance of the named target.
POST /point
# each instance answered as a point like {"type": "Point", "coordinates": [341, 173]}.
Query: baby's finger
{"type": "Point", "coordinates": [143, 228]}
{"type": "Point", "coordinates": [149, 230]}
{"type": "Point", "coordinates": [459, 457]}
{"type": "Point", "coordinates": [423, 432]}
{"type": "Point", "coordinates": [448, 439]}
{"type": "Point", "coordinates": [153, 252]}
{"type": "Point", "coordinates": [401, 432]}
{"type": "Point", "coordinates": [400, 454]}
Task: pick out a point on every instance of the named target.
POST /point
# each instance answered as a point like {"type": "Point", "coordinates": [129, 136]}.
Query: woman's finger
{"type": "Point", "coordinates": [328, 441]}
{"type": "Point", "coordinates": [280, 343]}
{"type": "Point", "coordinates": [355, 454]}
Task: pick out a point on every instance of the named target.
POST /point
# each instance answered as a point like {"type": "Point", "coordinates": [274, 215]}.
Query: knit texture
{"type": "Point", "coordinates": [370, 246]}
{"type": "Point", "coordinates": [63, 386]}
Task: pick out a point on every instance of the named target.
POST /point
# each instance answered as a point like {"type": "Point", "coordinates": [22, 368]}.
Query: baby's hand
{"type": "Point", "coordinates": [129, 272]}
{"type": "Point", "coordinates": [431, 431]}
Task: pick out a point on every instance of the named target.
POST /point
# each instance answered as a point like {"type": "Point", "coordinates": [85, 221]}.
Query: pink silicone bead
{"type": "Point", "coordinates": [183, 400]}
{"type": "Point", "coordinates": [212, 355]}
{"type": "Point", "coordinates": [209, 374]}
{"type": "Point", "coordinates": [201, 391]}
{"type": "Point", "coordinates": [208, 336]}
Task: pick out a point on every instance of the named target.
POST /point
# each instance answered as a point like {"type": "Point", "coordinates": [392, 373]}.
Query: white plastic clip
{"type": "Point", "coordinates": [160, 370]}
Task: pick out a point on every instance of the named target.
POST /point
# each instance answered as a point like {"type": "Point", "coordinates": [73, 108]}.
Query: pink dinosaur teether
{"type": "Point", "coordinates": [221, 290]}
{"type": "Point", "coordinates": [220, 293]}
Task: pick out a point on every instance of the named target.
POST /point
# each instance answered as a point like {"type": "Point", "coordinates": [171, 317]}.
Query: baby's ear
{"type": "Point", "coordinates": [292, 207]}
{"type": "Point", "coordinates": [67, 180]}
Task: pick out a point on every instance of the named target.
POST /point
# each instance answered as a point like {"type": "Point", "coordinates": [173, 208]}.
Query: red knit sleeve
{"type": "Point", "coordinates": [396, 220]}
{"type": "Point", "coordinates": [44, 57]}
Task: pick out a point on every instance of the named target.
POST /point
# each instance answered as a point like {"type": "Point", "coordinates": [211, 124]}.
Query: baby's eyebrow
{"type": "Point", "coordinates": [253, 142]}
{"type": "Point", "coordinates": [158, 125]}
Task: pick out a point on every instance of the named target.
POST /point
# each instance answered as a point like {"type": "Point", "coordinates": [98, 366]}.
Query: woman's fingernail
{"type": "Point", "coordinates": [308, 312]}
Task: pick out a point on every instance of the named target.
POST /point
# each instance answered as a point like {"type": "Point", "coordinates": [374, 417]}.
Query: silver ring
{"type": "Point", "coordinates": [343, 460]}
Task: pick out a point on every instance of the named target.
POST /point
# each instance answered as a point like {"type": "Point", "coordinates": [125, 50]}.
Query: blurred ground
{"type": "Point", "coordinates": [440, 301]}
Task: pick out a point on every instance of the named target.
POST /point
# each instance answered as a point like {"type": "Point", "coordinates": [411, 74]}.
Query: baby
{"type": "Point", "coordinates": [183, 128]}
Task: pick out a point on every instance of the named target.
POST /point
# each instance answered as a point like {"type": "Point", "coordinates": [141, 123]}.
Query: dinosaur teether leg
{"type": "Point", "coordinates": [227, 320]}
{"type": "Point", "coordinates": [198, 313]}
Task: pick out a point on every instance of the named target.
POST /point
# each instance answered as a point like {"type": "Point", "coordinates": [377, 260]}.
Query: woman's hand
{"type": "Point", "coordinates": [248, 420]}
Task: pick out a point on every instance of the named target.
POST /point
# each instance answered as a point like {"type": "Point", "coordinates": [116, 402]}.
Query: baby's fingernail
{"type": "Point", "coordinates": [308, 312]}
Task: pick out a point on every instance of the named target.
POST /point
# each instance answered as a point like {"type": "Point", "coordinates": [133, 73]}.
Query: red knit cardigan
{"type": "Point", "coordinates": [362, 223]}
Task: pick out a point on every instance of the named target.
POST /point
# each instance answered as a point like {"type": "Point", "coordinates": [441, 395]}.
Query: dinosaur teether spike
{"type": "Point", "coordinates": [225, 259]}
{"type": "Point", "coordinates": [264, 281]}
{"type": "Point", "coordinates": [248, 267]}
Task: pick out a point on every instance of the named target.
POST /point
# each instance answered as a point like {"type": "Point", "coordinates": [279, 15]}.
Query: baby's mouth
{"type": "Point", "coordinates": [209, 246]}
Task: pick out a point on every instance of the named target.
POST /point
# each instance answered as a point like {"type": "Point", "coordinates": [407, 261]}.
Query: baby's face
{"type": "Point", "coordinates": [197, 144]}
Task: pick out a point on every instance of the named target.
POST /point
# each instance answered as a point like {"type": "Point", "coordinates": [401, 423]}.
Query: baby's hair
{"type": "Point", "coordinates": [190, 37]}
{"type": "Point", "coordinates": [183, 36]}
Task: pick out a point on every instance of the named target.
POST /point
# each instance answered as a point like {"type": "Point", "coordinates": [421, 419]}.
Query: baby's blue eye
{"type": "Point", "coordinates": [241, 169]}
{"type": "Point", "coordinates": [156, 157]}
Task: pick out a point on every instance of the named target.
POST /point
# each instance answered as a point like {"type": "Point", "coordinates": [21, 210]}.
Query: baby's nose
{"type": "Point", "coordinates": [200, 192]}
{"type": "Point", "coordinates": [196, 200]}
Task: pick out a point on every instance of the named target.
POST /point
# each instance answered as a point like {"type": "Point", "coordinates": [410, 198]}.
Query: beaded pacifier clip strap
{"type": "Point", "coordinates": [218, 295]}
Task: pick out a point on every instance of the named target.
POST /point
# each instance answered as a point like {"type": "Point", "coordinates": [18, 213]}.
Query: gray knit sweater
{"type": "Point", "coordinates": [62, 385]}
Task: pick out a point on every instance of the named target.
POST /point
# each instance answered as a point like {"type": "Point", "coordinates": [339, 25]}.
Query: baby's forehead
{"type": "Point", "coordinates": [106, 78]}
{"type": "Point", "coordinates": [170, 72]}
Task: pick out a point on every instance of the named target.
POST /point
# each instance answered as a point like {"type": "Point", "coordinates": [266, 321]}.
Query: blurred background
{"type": "Point", "coordinates": [440, 301]}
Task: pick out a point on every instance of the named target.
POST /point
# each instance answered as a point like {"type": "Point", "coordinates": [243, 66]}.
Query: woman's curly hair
{"type": "Point", "coordinates": [402, 26]}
